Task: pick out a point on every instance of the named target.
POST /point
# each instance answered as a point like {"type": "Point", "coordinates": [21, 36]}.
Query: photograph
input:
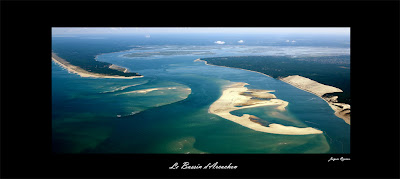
{"type": "Point", "coordinates": [185, 90]}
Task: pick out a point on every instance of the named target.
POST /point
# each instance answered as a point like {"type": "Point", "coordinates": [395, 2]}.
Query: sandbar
{"type": "Point", "coordinates": [124, 87]}
{"type": "Point", "coordinates": [237, 96]}
{"type": "Point", "coordinates": [144, 91]}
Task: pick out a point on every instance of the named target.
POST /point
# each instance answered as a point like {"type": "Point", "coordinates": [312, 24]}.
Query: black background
{"type": "Point", "coordinates": [26, 86]}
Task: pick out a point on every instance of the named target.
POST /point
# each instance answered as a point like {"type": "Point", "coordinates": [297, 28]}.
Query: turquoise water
{"type": "Point", "coordinates": [176, 120]}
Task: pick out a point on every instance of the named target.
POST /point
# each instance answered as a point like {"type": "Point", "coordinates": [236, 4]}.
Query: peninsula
{"type": "Point", "coordinates": [237, 96]}
{"type": "Point", "coordinates": [86, 73]}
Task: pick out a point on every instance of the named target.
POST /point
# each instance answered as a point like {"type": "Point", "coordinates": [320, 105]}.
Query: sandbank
{"type": "Point", "coordinates": [309, 86]}
{"type": "Point", "coordinates": [232, 99]}
{"type": "Point", "coordinates": [124, 87]}
{"type": "Point", "coordinates": [144, 91]}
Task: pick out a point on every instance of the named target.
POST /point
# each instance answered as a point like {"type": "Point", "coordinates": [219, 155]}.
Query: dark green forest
{"type": "Point", "coordinates": [83, 55]}
{"type": "Point", "coordinates": [330, 70]}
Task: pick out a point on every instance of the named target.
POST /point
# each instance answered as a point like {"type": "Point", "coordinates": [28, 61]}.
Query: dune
{"type": "Point", "coordinates": [310, 85]}
{"type": "Point", "coordinates": [341, 110]}
{"type": "Point", "coordinates": [233, 99]}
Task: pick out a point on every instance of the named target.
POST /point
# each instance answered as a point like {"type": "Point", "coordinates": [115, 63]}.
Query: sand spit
{"type": "Point", "coordinates": [83, 73]}
{"type": "Point", "coordinates": [232, 99]}
{"type": "Point", "coordinates": [341, 110]}
{"type": "Point", "coordinates": [205, 62]}
{"type": "Point", "coordinates": [116, 67]}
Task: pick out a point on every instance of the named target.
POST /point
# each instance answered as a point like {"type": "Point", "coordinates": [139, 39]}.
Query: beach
{"type": "Point", "coordinates": [83, 73]}
{"type": "Point", "coordinates": [122, 69]}
{"type": "Point", "coordinates": [237, 96]}
{"type": "Point", "coordinates": [342, 110]}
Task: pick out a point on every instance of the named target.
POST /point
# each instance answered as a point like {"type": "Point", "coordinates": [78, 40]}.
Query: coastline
{"type": "Point", "coordinates": [237, 96]}
{"type": "Point", "coordinates": [338, 111]}
{"type": "Point", "coordinates": [83, 73]}
{"type": "Point", "coordinates": [199, 60]}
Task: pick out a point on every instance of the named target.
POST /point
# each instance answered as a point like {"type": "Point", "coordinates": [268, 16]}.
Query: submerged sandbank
{"type": "Point", "coordinates": [236, 97]}
{"type": "Point", "coordinates": [144, 91]}
{"type": "Point", "coordinates": [83, 73]}
{"type": "Point", "coordinates": [124, 87]}
{"type": "Point", "coordinates": [342, 110]}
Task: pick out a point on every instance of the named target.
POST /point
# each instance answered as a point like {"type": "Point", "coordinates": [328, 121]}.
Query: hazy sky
{"type": "Point", "coordinates": [181, 30]}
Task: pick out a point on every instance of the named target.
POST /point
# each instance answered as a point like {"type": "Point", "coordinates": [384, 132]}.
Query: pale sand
{"type": "Point", "coordinates": [341, 110]}
{"type": "Point", "coordinates": [231, 97]}
{"type": "Point", "coordinates": [83, 73]}
{"type": "Point", "coordinates": [144, 91]}
{"type": "Point", "coordinates": [312, 87]}
{"type": "Point", "coordinates": [116, 67]}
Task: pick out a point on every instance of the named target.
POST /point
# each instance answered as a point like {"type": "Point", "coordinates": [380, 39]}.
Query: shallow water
{"type": "Point", "coordinates": [177, 120]}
